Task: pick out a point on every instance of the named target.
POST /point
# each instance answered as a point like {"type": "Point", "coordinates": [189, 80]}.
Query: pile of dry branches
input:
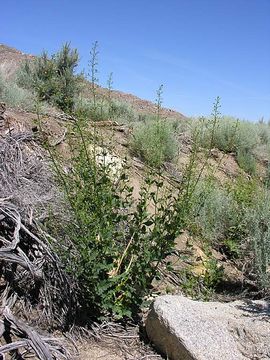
{"type": "Point", "coordinates": [25, 175]}
{"type": "Point", "coordinates": [34, 289]}
{"type": "Point", "coordinates": [29, 340]}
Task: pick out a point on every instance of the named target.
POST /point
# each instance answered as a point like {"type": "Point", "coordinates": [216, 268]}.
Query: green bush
{"type": "Point", "coordinates": [236, 220]}
{"type": "Point", "coordinates": [154, 141]}
{"type": "Point", "coordinates": [24, 75]}
{"type": "Point", "coordinates": [223, 136]}
{"type": "Point", "coordinates": [120, 111]}
{"type": "Point", "coordinates": [53, 78]}
{"type": "Point", "coordinates": [266, 179]}
{"type": "Point", "coordinates": [244, 191]}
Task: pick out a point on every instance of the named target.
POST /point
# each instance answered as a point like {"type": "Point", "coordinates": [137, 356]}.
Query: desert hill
{"type": "Point", "coordinates": [11, 59]}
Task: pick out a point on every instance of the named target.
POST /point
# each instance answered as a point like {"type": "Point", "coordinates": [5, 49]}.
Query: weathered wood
{"type": "Point", "coordinates": [45, 348]}
{"type": "Point", "coordinates": [2, 114]}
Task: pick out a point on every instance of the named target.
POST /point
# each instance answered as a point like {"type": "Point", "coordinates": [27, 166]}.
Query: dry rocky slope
{"type": "Point", "coordinates": [180, 328]}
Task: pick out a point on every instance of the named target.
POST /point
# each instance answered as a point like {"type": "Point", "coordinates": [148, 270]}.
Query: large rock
{"type": "Point", "coordinates": [184, 329]}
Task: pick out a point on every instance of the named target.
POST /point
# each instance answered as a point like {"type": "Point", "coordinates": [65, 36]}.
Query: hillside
{"type": "Point", "coordinates": [106, 207]}
{"type": "Point", "coordinates": [11, 59]}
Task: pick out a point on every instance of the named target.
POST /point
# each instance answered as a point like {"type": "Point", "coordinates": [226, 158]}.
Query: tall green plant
{"type": "Point", "coordinates": [117, 243]}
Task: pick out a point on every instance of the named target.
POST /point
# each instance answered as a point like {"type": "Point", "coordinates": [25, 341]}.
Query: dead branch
{"type": "Point", "coordinates": [30, 265]}
{"type": "Point", "coordinates": [43, 347]}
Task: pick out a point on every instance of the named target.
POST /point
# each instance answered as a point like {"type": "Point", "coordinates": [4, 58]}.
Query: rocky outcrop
{"type": "Point", "coordinates": [184, 329]}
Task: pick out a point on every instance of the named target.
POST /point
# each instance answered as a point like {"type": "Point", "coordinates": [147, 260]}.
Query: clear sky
{"type": "Point", "coordinates": [198, 49]}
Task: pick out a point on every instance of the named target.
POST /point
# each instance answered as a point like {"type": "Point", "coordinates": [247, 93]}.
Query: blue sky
{"type": "Point", "coordinates": [198, 49]}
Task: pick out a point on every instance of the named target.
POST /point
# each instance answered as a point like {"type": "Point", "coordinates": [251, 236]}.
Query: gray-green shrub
{"type": "Point", "coordinates": [264, 133]}
{"type": "Point", "coordinates": [230, 134]}
{"type": "Point", "coordinates": [14, 96]}
{"type": "Point", "coordinates": [213, 211]}
{"type": "Point", "coordinates": [246, 160]}
{"type": "Point", "coordinates": [154, 141]}
{"type": "Point", "coordinates": [116, 243]}
{"type": "Point", "coordinates": [235, 219]}
{"type": "Point", "coordinates": [219, 213]}
{"type": "Point", "coordinates": [233, 135]}
{"type": "Point", "coordinates": [259, 236]}
{"type": "Point", "coordinates": [104, 109]}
